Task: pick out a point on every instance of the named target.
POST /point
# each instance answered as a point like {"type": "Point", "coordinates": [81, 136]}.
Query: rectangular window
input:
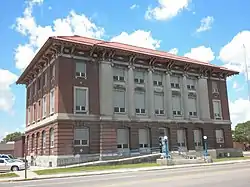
{"type": "Point", "coordinates": [34, 112]}
{"type": "Point", "coordinates": [39, 83]}
{"type": "Point", "coordinates": [122, 138]}
{"type": "Point", "coordinates": [53, 70]}
{"type": "Point", "coordinates": [175, 82]}
{"type": "Point", "coordinates": [119, 74]}
{"type": "Point", "coordinates": [157, 79]}
{"type": "Point", "coordinates": [81, 137]}
{"type": "Point", "coordinates": [176, 105]}
{"type": "Point", "coordinates": [191, 84]}
{"type": "Point", "coordinates": [119, 100]}
{"type": "Point", "coordinates": [159, 103]}
{"type": "Point", "coordinates": [219, 136]}
{"type": "Point", "coordinates": [181, 138]}
{"type": "Point", "coordinates": [29, 117]}
{"type": "Point", "coordinates": [80, 69]}
{"type": "Point", "coordinates": [44, 106]}
{"type": "Point", "coordinates": [192, 107]}
{"type": "Point", "coordinates": [52, 101]}
{"type": "Point", "coordinates": [81, 100]}
{"type": "Point", "coordinates": [144, 138]}
{"type": "Point", "coordinates": [38, 110]}
{"type": "Point", "coordinates": [217, 109]}
{"type": "Point", "coordinates": [139, 77]}
{"type": "Point", "coordinates": [45, 78]}
{"type": "Point", "coordinates": [215, 87]}
{"type": "Point", "coordinates": [197, 137]}
{"type": "Point", "coordinates": [140, 102]}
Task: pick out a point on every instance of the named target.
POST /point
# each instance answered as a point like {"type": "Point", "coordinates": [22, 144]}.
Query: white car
{"type": "Point", "coordinates": [11, 165]}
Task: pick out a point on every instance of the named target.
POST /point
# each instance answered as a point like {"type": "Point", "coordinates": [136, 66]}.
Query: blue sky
{"type": "Point", "coordinates": [212, 31]}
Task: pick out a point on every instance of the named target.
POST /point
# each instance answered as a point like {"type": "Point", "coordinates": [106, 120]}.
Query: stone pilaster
{"type": "Point", "coordinates": [131, 90]}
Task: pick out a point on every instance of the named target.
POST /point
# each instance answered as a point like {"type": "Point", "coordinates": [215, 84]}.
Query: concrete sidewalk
{"type": "Point", "coordinates": [32, 176]}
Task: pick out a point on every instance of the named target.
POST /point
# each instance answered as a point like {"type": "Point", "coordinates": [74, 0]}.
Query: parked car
{"type": "Point", "coordinates": [4, 156]}
{"type": "Point", "coordinates": [11, 165]}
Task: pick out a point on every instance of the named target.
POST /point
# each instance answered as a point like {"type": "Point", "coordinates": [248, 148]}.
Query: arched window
{"type": "Point", "coordinates": [43, 139]}
{"type": "Point", "coordinates": [52, 137]}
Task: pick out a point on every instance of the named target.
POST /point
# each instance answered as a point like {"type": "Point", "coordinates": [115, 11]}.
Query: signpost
{"type": "Point", "coordinates": [205, 146]}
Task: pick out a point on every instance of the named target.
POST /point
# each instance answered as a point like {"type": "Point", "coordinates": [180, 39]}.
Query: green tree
{"type": "Point", "coordinates": [242, 132]}
{"type": "Point", "coordinates": [12, 136]}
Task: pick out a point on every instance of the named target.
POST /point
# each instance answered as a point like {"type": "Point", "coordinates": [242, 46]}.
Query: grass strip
{"type": "Point", "coordinates": [8, 175]}
{"type": "Point", "coordinates": [92, 168]}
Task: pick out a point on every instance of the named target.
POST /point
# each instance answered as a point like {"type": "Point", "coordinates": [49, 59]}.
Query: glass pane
{"type": "Point", "coordinates": [143, 136]}
{"type": "Point", "coordinates": [139, 74]}
{"type": "Point", "coordinates": [140, 100]}
{"type": "Point", "coordinates": [80, 97]}
{"type": "Point", "coordinates": [157, 77]}
{"type": "Point", "coordinates": [176, 103]}
{"type": "Point", "coordinates": [192, 104]}
{"type": "Point", "coordinates": [159, 101]}
{"type": "Point", "coordinates": [118, 72]}
{"type": "Point", "coordinates": [174, 79]}
{"type": "Point", "coordinates": [122, 136]}
{"type": "Point", "coordinates": [80, 67]}
{"type": "Point", "coordinates": [81, 134]}
{"type": "Point", "coordinates": [119, 98]}
{"type": "Point", "coordinates": [216, 107]}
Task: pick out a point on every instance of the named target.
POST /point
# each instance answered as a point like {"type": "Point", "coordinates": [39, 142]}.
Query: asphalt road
{"type": "Point", "coordinates": [233, 175]}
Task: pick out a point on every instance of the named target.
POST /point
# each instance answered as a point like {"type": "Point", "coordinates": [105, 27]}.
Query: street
{"type": "Point", "coordinates": [232, 175]}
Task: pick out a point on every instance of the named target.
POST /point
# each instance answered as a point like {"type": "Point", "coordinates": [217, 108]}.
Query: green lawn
{"type": "Point", "coordinates": [110, 167]}
{"type": "Point", "coordinates": [232, 158]}
{"type": "Point", "coordinates": [92, 168]}
{"type": "Point", "coordinates": [8, 175]}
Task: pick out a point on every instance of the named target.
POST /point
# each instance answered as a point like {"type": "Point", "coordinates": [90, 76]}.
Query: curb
{"type": "Point", "coordinates": [128, 170]}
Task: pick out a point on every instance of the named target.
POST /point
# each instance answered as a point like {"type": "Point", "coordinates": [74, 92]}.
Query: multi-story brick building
{"type": "Point", "coordinates": [87, 96]}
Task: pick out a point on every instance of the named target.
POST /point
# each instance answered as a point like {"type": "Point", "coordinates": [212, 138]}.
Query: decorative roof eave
{"type": "Point", "coordinates": [46, 45]}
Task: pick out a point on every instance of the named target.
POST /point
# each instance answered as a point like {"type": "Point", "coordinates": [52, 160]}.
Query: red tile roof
{"type": "Point", "coordinates": [135, 49]}
{"type": "Point", "coordinates": [119, 46]}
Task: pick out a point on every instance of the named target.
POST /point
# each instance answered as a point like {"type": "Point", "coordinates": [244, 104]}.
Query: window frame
{"type": "Point", "coordinates": [81, 140]}
{"type": "Point", "coordinates": [44, 112]}
{"type": "Point", "coordinates": [82, 75]}
{"type": "Point", "coordinates": [52, 137]}
{"type": "Point", "coordinates": [50, 101]}
{"type": "Point", "coordinates": [86, 111]}
{"type": "Point", "coordinates": [43, 146]}
{"type": "Point", "coordinates": [220, 140]}
{"type": "Point", "coordinates": [117, 78]}
{"type": "Point", "coordinates": [161, 111]}
{"type": "Point", "coordinates": [177, 113]}
{"type": "Point", "coordinates": [118, 107]}
{"type": "Point", "coordinates": [142, 111]}
{"type": "Point", "coordinates": [220, 110]}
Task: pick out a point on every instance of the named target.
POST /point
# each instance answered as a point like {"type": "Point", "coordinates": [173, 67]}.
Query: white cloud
{"type": "Point", "coordinates": [233, 54]}
{"type": "Point", "coordinates": [134, 6]}
{"type": "Point", "coordinates": [235, 85]}
{"type": "Point", "coordinates": [73, 24]}
{"type": "Point", "coordinates": [206, 24]}
{"type": "Point", "coordinates": [174, 51]}
{"type": "Point", "coordinates": [7, 98]}
{"type": "Point", "coordinates": [239, 111]}
{"type": "Point", "coordinates": [167, 9]}
{"type": "Point", "coordinates": [201, 53]}
{"type": "Point", "coordinates": [50, 8]}
{"type": "Point", "coordinates": [138, 38]}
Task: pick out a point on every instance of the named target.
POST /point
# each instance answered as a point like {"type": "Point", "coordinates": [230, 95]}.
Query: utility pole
{"type": "Point", "coordinates": [246, 69]}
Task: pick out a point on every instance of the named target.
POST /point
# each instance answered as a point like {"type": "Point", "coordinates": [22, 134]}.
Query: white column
{"type": "Point", "coordinates": [131, 90]}
{"type": "Point", "coordinates": [168, 96]}
{"type": "Point", "coordinates": [185, 97]}
{"type": "Point", "coordinates": [150, 94]}
{"type": "Point", "coordinates": [203, 99]}
{"type": "Point", "coordinates": [106, 88]}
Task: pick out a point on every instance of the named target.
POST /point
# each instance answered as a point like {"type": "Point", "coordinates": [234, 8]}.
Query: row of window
{"type": "Point", "coordinates": [81, 137]}
{"type": "Point", "coordinates": [39, 109]}
{"type": "Point", "coordinates": [119, 103]}
{"type": "Point", "coordinates": [34, 141]}
{"type": "Point", "coordinates": [41, 81]}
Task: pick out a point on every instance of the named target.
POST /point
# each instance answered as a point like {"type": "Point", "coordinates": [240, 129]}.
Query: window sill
{"type": "Point", "coordinates": [81, 145]}
{"type": "Point", "coordinates": [120, 113]}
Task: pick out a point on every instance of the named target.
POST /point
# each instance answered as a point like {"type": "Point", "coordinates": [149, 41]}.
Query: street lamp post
{"type": "Point", "coordinates": [205, 145]}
